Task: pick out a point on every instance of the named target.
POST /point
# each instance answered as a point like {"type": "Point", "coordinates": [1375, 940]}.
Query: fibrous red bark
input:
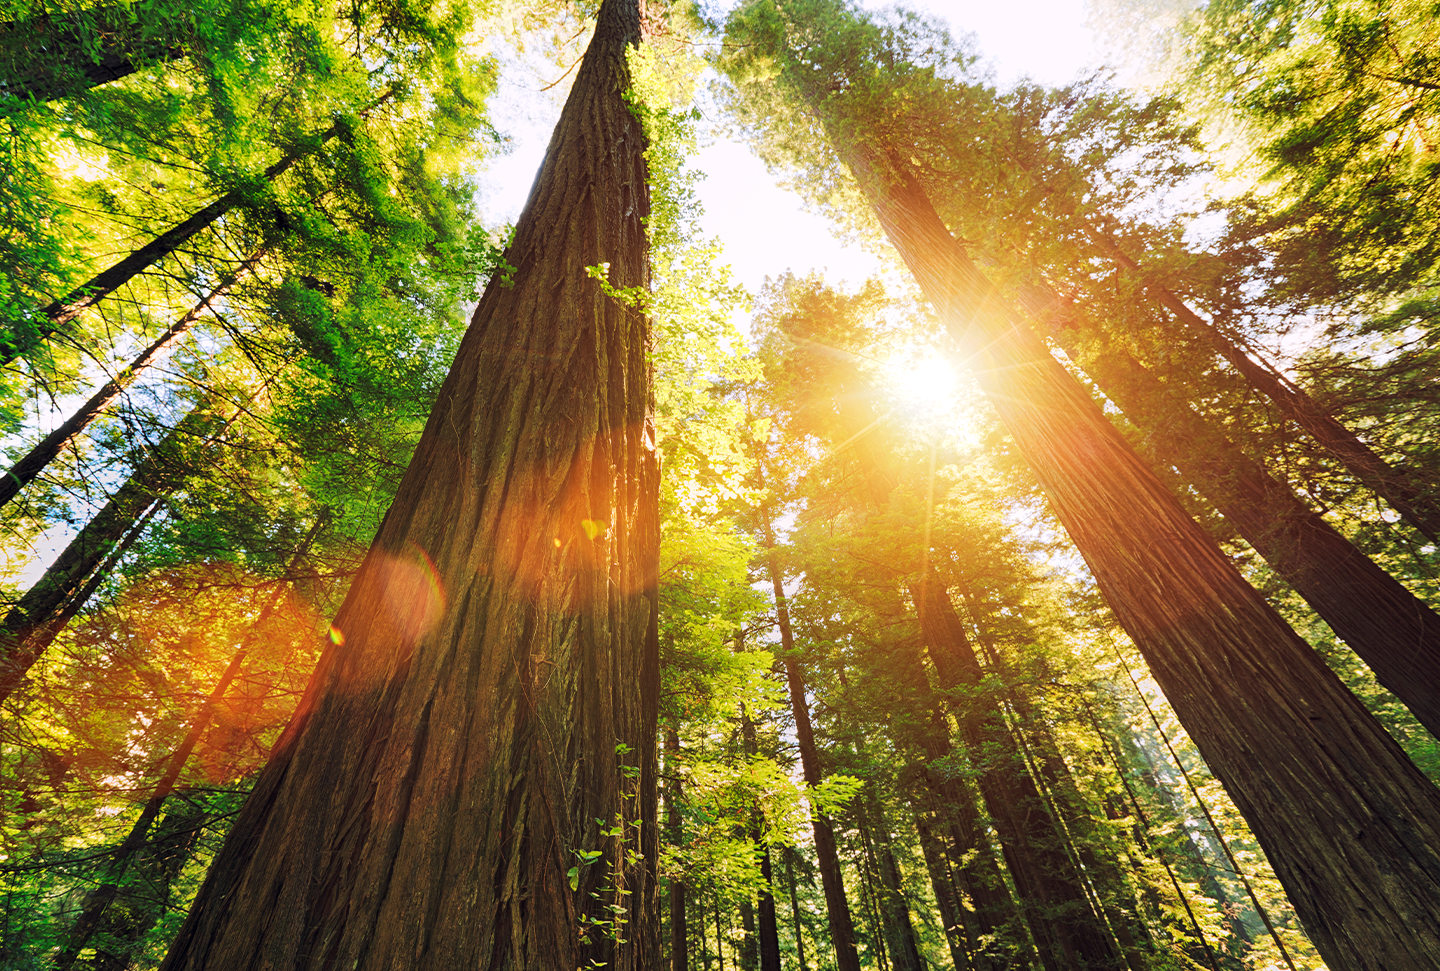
{"type": "Point", "coordinates": [470, 779]}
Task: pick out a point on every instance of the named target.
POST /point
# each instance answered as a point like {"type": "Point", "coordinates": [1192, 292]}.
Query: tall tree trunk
{"type": "Point", "coordinates": [675, 836]}
{"type": "Point", "coordinates": [960, 936]}
{"type": "Point", "coordinates": [35, 461]}
{"type": "Point", "coordinates": [795, 908]}
{"type": "Point", "coordinates": [894, 908]}
{"type": "Point", "coordinates": [1396, 486]}
{"type": "Point", "coordinates": [1352, 827]}
{"type": "Point", "coordinates": [769, 923]}
{"type": "Point", "coordinates": [1118, 902]}
{"type": "Point", "coordinates": [842, 928]}
{"type": "Point", "coordinates": [491, 713]}
{"type": "Point", "coordinates": [55, 316]}
{"type": "Point", "coordinates": [42, 612]}
{"type": "Point", "coordinates": [1066, 930]}
{"type": "Point", "coordinates": [1394, 632]}
{"type": "Point", "coordinates": [769, 932]}
{"type": "Point", "coordinates": [146, 896]}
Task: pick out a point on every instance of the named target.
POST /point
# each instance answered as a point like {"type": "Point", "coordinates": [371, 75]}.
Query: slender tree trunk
{"type": "Point", "coordinates": [894, 908]}
{"type": "Point", "coordinates": [960, 934]}
{"type": "Point", "coordinates": [769, 923]}
{"type": "Point", "coordinates": [1394, 632]}
{"type": "Point", "coordinates": [795, 909]}
{"type": "Point", "coordinates": [675, 836]}
{"type": "Point", "coordinates": [842, 928]}
{"type": "Point", "coordinates": [1066, 930]}
{"type": "Point", "coordinates": [769, 933]}
{"type": "Point", "coordinates": [146, 895]}
{"type": "Point", "coordinates": [35, 461]}
{"type": "Point", "coordinates": [72, 305]}
{"type": "Point", "coordinates": [1305, 763]}
{"type": "Point", "coordinates": [491, 714]}
{"type": "Point", "coordinates": [42, 612]}
{"type": "Point", "coordinates": [99, 899]}
{"type": "Point", "coordinates": [1397, 487]}
{"type": "Point", "coordinates": [1142, 829]}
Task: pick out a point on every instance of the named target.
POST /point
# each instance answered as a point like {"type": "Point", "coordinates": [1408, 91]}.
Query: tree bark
{"type": "Point", "coordinates": [1352, 827]}
{"type": "Point", "coordinates": [1396, 633]}
{"type": "Point", "coordinates": [491, 714]}
{"type": "Point", "coordinates": [842, 927]}
{"type": "Point", "coordinates": [42, 612]}
{"type": "Point", "coordinates": [34, 462]}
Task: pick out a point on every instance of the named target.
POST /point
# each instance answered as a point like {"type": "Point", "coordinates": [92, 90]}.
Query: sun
{"type": "Point", "coordinates": [927, 386]}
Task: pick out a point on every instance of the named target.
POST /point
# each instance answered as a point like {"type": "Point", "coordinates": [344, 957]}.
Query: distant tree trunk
{"type": "Point", "coordinates": [98, 901]}
{"type": "Point", "coordinates": [107, 281]}
{"type": "Point", "coordinates": [146, 896]}
{"type": "Point", "coordinates": [960, 936]}
{"type": "Point", "coordinates": [894, 907]}
{"type": "Point", "coordinates": [491, 715]}
{"type": "Point", "coordinates": [769, 933]}
{"type": "Point", "coordinates": [41, 613]}
{"type": "Point", "coordinates": [749, 943]}
{"type": "Point", "coordinates": [1305, 763]}
{"type": "Point", "coordinates": [842, 928]}
{"type": "Point", "coordinates": [35, 461]}
{"type": "Point", "coordinates": [789, 854]}
{"type": "Point", "coordinates": [1394, 632]}
{"type": "Point", "coordinates": [1396, 486]}
{"type": "Point", "coordinates": [1066, 930]}
{"type": "Point", "coordinates": [51, 56]}
{"type": "Point", "coordinates": [1052, 889]}
{"type": "Point", "coordinates": [675, 836]}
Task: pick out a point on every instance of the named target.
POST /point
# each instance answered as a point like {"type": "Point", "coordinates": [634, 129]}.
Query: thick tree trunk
{"type": "Point", "coordinates": [1352, 827]}
{"type": "Point", "coordinates": [35, 461]}
{"type": "Point", "coordinates": [1396, 633]}
{"type": "Point", "coordinates": [1407, 497]}
{"type": "Point", "coordinates": [41, 613]}
{"type": "Point", "coordinates": [470, 780]}
{"type": "Point", "coordinates": [842, 927]}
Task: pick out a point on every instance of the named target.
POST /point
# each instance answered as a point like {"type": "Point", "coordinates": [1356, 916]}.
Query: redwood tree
{"type": "Point", "coordinates": [469, 780]}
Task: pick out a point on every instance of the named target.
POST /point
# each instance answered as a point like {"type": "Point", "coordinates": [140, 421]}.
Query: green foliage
{"type": "Point", "coordinates": [1339, 100]}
